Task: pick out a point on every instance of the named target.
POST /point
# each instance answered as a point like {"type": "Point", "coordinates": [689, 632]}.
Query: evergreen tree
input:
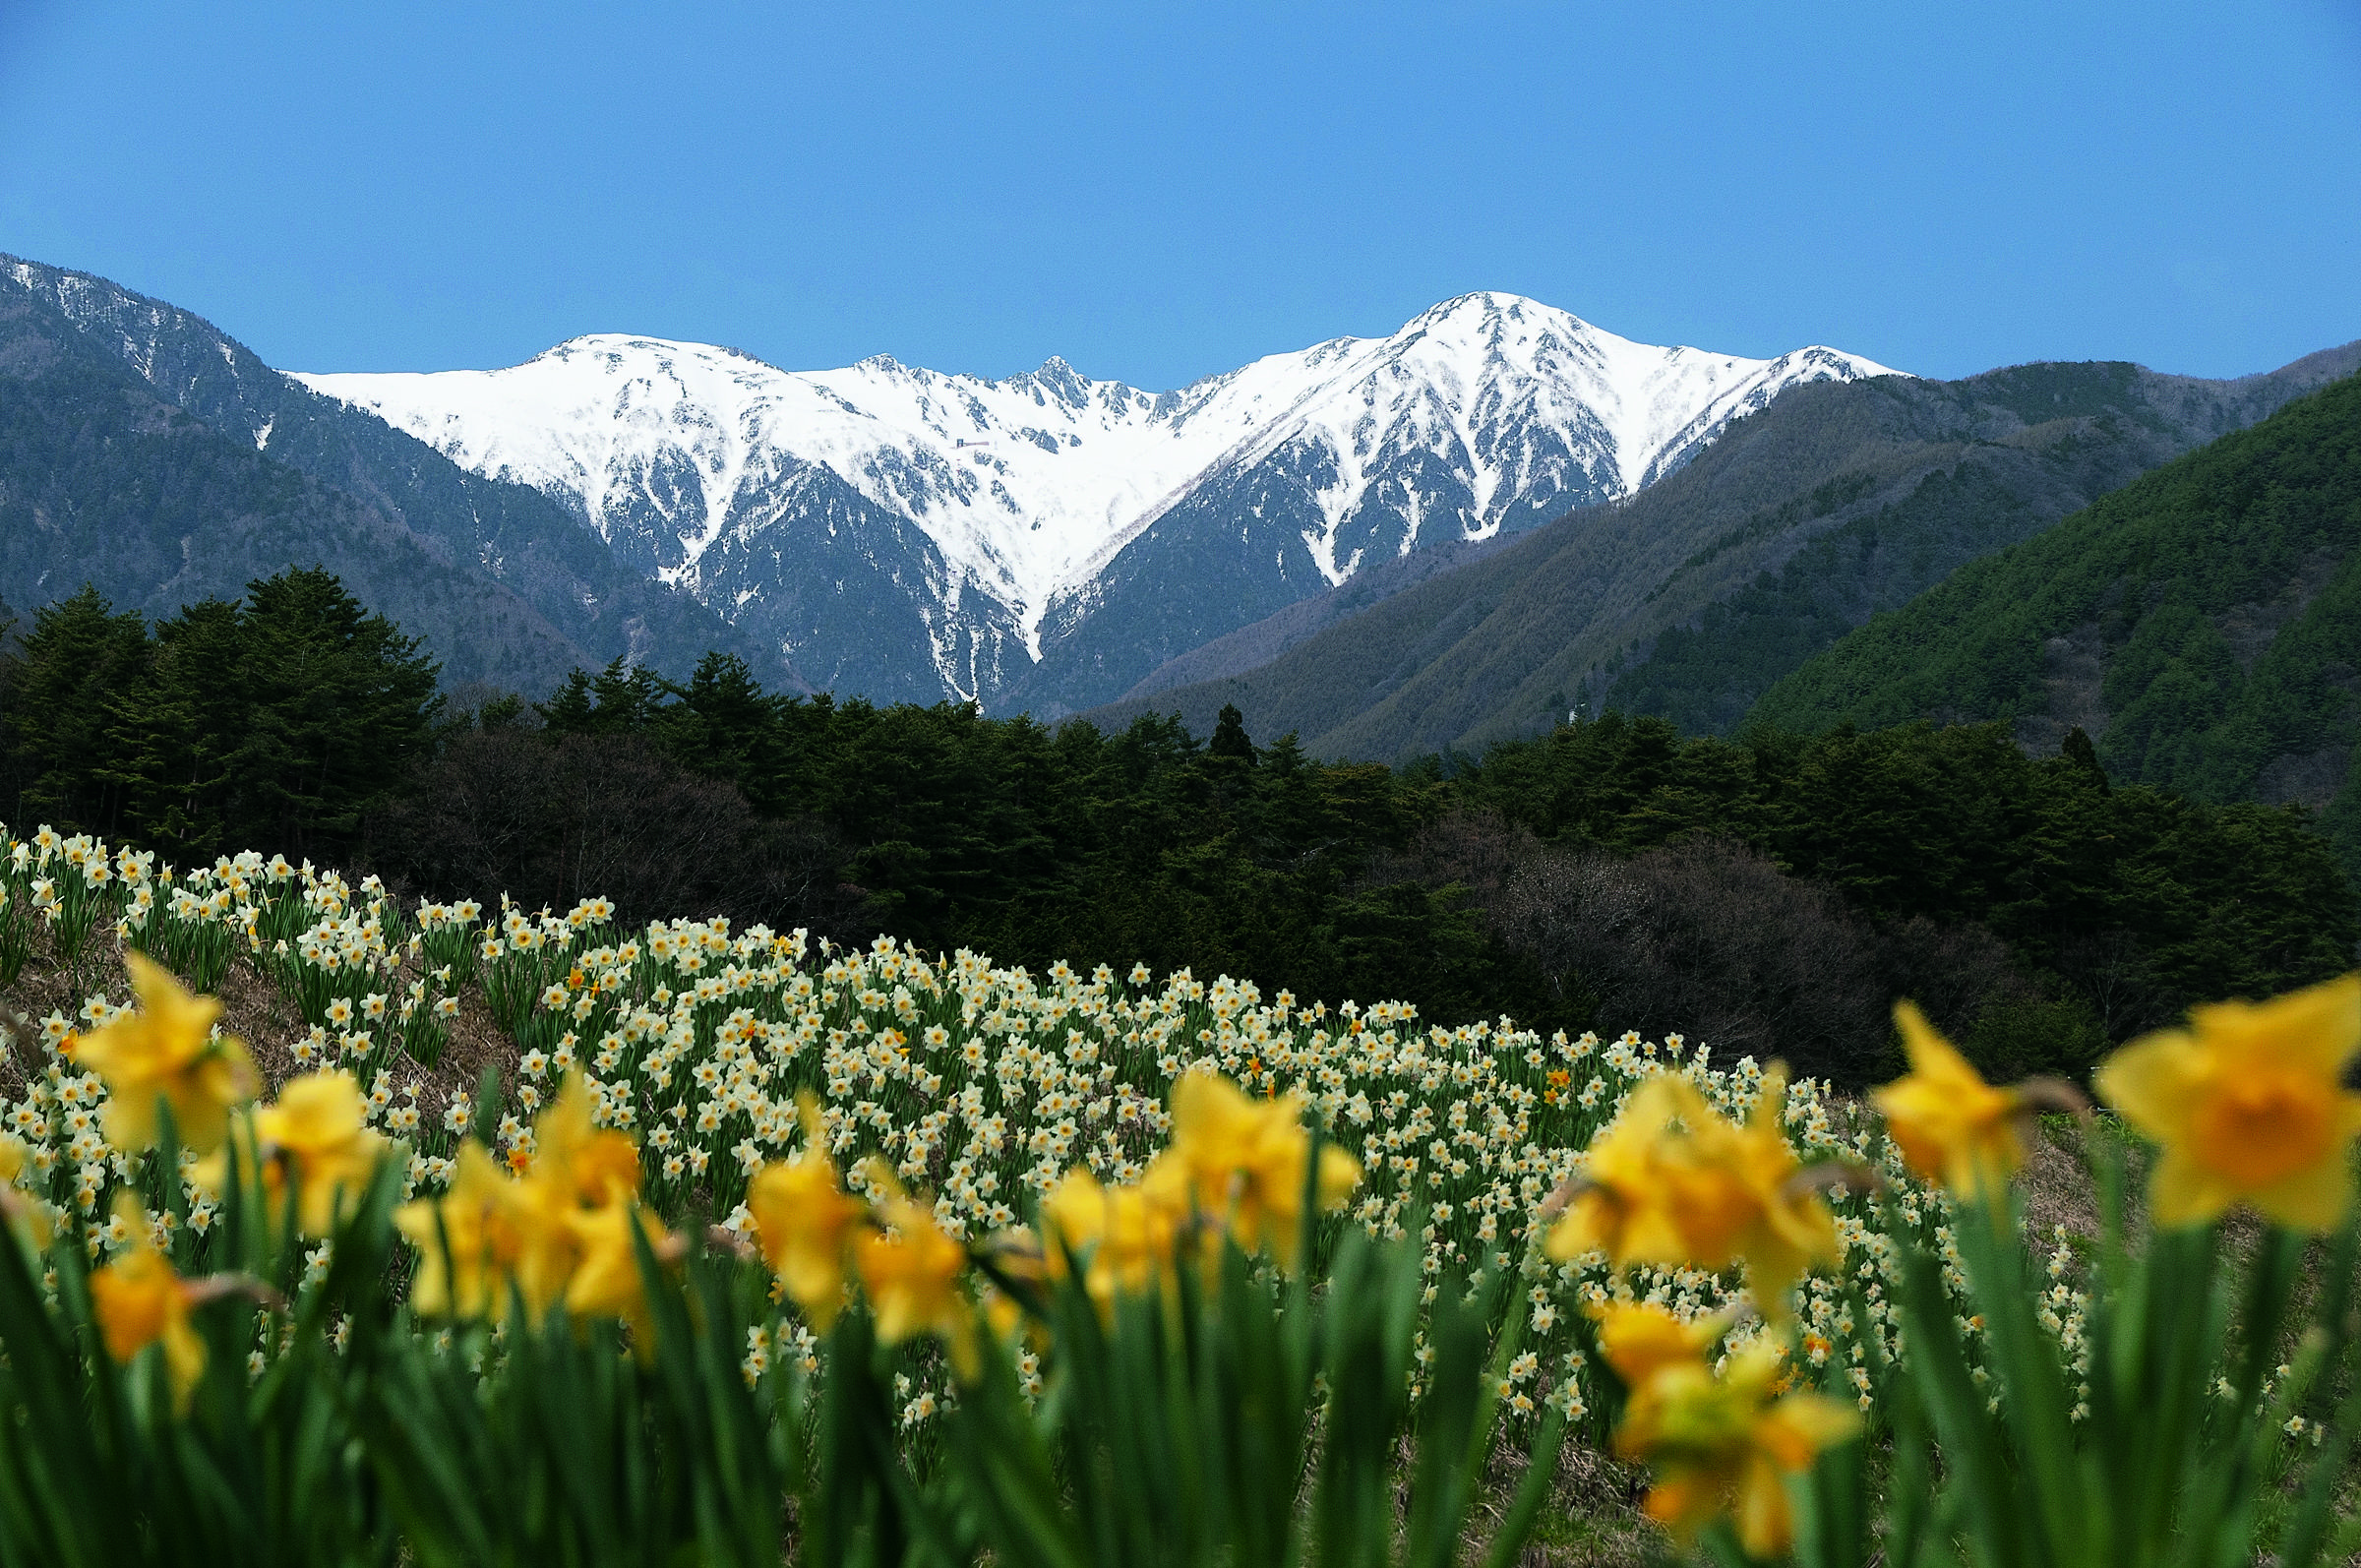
{"type": "Point", "coordinates": [339, 704]}
{"type": "Point", "coordinates": [58, 691]}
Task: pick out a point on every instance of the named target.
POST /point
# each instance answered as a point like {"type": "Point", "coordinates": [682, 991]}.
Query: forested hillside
{"type": "Point", "coordinates": [2204, 623]}
{"type": "Point", "coordinates": [1692, 599]}
{"type": "Point", "coordinates": [273, 717]}
{"type": "Point", "coordinates": [1773, 896]}
{"type": "Point", "coordinates": [483, 527]}
{"type": "Point", "coordinates": [103, 483]}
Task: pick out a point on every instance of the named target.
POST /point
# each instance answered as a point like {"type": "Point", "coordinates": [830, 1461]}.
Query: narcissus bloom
{"type": "Point", "coordinates": [1640, 1339]}
{"type": "Point", "coordinates": [1247, 1159]}
{"type": "Point", "coordinates": [1726, 1445]}
{"type": "Point", "coordinates": [1674, 1182]}
{"type": "Point", "coordinates": [607, 1282]}
{"type": "Point", "coordinates": [2249, 1105]}
{"type": "Point", "coordinates": [911, 1277]}
{"type": "Point", "coordinates": [578, 1161]}
{"type": "Point", "coordinates": [140, 1301]}
{"type": "Point", "coordinates": [319, 1128]}
{"type": "Point", "coordinates": [1123, 1234]}
{"type": "Point", "coordinates": [480, 1219]}
{"type": "Point", "coordinates": [805, 1222]}
{"type": "Point", "coordinates": [166, 1050]}
{"type": "Point", "coordinates": [1949, 1124]}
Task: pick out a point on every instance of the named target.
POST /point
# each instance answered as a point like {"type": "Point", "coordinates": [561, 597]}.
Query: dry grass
{"type": "Point", "coordinates": [252, 1009]}
{"type": "Point", "coordinates": [1593, 1517]}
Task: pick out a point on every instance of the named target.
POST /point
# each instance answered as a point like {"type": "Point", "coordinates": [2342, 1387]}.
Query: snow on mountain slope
{"type": "Point", "coordinates": [997, 507]}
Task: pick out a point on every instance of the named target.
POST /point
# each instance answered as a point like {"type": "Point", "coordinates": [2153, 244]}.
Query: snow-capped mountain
{"type": "Point", "coordinates": [1043, 540]}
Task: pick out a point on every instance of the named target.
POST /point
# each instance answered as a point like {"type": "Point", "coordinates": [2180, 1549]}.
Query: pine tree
{"type": "Point", "coordinates": [57, 693]}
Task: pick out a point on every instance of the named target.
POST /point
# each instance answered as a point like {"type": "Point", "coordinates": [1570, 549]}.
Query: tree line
{"type": "Point", "coordinates": [1770, 893]}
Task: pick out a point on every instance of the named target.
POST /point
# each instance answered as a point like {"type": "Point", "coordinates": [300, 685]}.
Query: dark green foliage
{"type": "Point", "coordinates": [951, 830]}
{"type": "Point", "coordinates": [267, 723]}
{"type": "Point", "coordinates": [55, 687]}
{"type": "Point", "coordinates": [2217, 603]}
{"type": "Point", "coordinates": [2136, 901]}
{"type": "Point", "coordinates": [2035, 910]}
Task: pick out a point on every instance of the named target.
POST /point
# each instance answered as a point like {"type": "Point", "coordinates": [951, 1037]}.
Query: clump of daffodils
{"type": "Point", "coordinates": [561, 1226]}
{"type": "Point", "coordinates": [1237, 1167]}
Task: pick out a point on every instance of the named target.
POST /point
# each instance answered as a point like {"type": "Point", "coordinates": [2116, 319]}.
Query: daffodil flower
{"type": "Point", "coordinates": [2250, 1106]}
{"type": "Point", "coordinates": [1124, 1235]}
{"type": "Point", "coordinates": [166, 1050]}
{"type": "Point", "coordinates": [479, 1220]}
{"type": "Point", "coordinates": [805, 1222]}
{"type": "Point", "coordinates": [1949, 1124]}
{"type": "Point", "coordinates": [1247, 1158]}
{"type": "Point", "coordinates": [912, 1276]}
{"type": "Point", "coordinates": [1726, 1445]}
{"type": "Point", "coordinates": [318, 1131]}
{"type": "Point", "coordinates": [1674, 1182]}
{"type": "Point", "coordinates": [1640, 1339]}
{"type": "Point", "coordinates": [608, 1281]}
{"type": "Point", "coordinates": [140, 1302]}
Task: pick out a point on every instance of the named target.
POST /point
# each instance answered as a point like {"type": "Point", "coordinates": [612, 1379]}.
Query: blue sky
{"type": "Point", "coordinates": [1160, 192]}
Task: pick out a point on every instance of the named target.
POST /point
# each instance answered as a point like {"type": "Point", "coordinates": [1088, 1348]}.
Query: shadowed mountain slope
{"type": "Point", "coordinates": [103, 482]}
{"type": "Point", "coordinates": [506, 532]}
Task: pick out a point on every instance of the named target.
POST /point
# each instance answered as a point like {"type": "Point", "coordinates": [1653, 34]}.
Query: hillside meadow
{"type": "Point", "coordinates": [556, 1237]}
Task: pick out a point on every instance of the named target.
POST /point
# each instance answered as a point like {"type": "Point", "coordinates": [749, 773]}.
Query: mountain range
{"type": "Point", "coordinates": [1692, 598]}
{"type": "Point", "coordinates": [151, 454]}
{"type": "Point", "coordinates": [1043, 542]}
{"type": "Point", "coordinates": [1494, 519]}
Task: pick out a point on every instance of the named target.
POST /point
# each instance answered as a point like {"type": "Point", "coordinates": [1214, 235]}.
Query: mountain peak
{"type": "Point", "coordinates": [1011, 516]}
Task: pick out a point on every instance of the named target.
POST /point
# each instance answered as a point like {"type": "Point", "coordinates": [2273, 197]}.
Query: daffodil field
{"type": "Point", "coordinates": [754, 1247]}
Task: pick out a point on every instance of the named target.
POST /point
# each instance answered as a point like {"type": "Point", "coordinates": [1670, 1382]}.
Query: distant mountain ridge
{"type": "Point", "coordinates": [2200, 625]}
{"type": "Point", "coordinates": [1046, 541]}
{"type": "Point", "coordinates": [505, 533]}
{"type": "Point", "coordinates": [1695, 596]}
{"type": "Point", "coordinates": [105, 482]}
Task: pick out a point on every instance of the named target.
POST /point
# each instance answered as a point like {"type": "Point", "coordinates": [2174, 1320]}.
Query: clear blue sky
{"type": "Point", "coordinates": [1161, 191]}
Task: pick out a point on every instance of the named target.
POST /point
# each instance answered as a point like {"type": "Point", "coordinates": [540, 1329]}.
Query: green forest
{"type": "Point", "coordinates": [2219, 602]}
{"type": "Point", "coordinates": [1774, 892]}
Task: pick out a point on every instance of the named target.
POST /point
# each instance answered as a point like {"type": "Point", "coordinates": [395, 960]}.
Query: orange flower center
{"type": "Point", "coordinates": [2261, 1127]}
{"type": "Point", "coordinates": [1713, 1209]}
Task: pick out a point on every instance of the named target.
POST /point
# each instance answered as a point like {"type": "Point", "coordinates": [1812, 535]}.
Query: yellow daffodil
{"type": "Point", "coordinates": [140, 1301]}
{"type": "Point", "coordinates": [607, 1282]}
{"type": "Point", "coordinates": [479, 1219]}
{"type": "Point", "coordinates": [805, 1222]}
{"type": "Point", "coordinates": [1726, 1445]}
{"type": "Point", "coordinates": [318, 1132]}
{"type": "Point", "coordinates": [2249, 1105]}
{"type": "Point", "coordinates": [1123, 1234]}
{"type": "Point", "coordinates": [579, 1160]}
{"type": "Point", "coordinates": [1246, 1159]}
{"type": "Point", "coordinates": [911, 1277]}
{"type": "Point", "coordinates": [166, 1050]}
{"type": "Point", "coordinates": [1674, 1182]}
{"type": "Point", "coordinates": [1949, 1124]}
{"type": "Point", "coordinates": [1016, 1252]}
{"type": "Point", "coordinates": [24, 1214]}
{"type": "Point", "coordinates": [1640, 1339]}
